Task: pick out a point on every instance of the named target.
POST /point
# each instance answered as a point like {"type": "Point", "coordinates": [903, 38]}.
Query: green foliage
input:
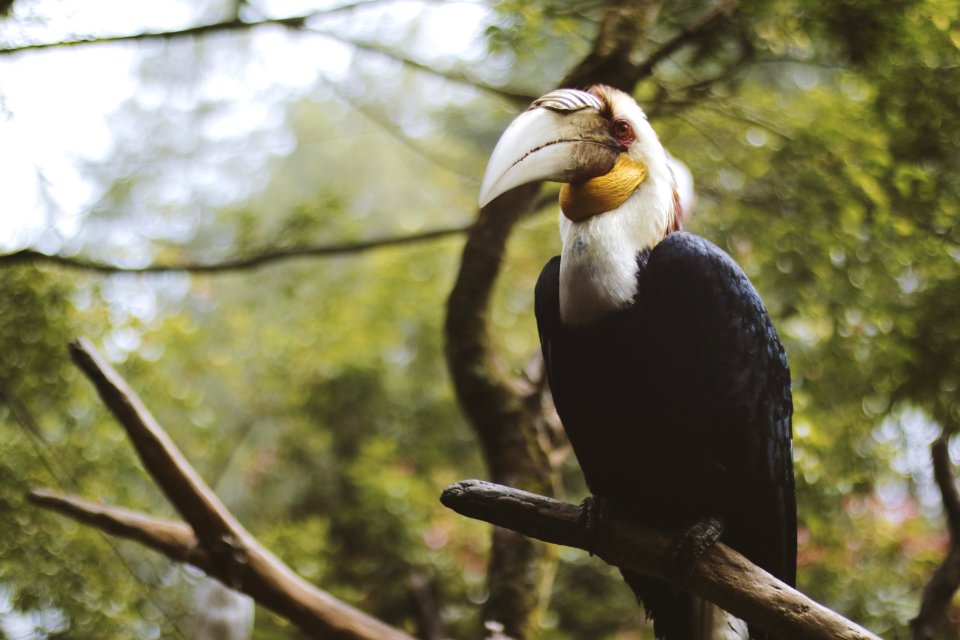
{"type": "Point", "coordinates": [52, 438]}
{"type": "Point", "coordinates": [825, 141]}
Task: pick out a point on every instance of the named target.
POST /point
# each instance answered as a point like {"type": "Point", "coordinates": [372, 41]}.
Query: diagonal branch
{"type": "Point", "coordinates": [184, 488]}
{"type": "Point", "coordinates": [212, 540]}
{"type": "Point", "coordinates": [690, 33]}
{"type": "Point", "coordinates": [945, 581]}
{"type": "Point", "coordinates": [521, 98]}
{"type": "Point", "coordinates": [610, 61]}
{"type": "Point", "coordinates": [396, 132]}
{"type": "Point", "coordinates": [254, 261]}
{"type": "Point", "coordinates": [722, 575]}
{"type": "Point", "coordinates": [175, 540]}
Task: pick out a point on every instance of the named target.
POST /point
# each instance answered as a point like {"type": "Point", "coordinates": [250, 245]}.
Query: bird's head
{"type": "Point", "coordinates": [599, 144]}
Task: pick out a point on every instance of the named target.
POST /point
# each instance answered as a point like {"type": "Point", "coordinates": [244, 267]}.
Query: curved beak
{"type": "Point", "coordinates": [545, 144]}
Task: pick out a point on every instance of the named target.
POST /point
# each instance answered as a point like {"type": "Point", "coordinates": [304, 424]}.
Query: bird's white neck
{"type": "Point", "coordinates": [598, 263]}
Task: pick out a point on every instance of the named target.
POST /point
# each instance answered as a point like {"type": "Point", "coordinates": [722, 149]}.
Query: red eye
{"type": "Point", "coordinates": [622, 131]}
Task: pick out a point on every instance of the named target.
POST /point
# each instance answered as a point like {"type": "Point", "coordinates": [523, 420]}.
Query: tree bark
{"type": "Point", "coordinates": [503, 412]}
{"type": "Point", "coordinates": [722, 575]}
{"type": "Point", "coordinates": [945, 581]}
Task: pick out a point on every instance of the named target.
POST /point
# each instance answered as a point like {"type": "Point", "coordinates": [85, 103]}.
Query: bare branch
{"type": "Point", "coordinates": [214, 541]}
{"type": "Point", "coordinates": [184, 488]}
{"type": "Point", "coordinates": [173, 539]}
{"type": "Point", "coordinates": [254, 261]}
{"type": "Point", "coordinates": [945, 581]}
{"type": "Point", "coordinates": [396, 132]}
{"type": "Point", "coordinates": [520, 98]}
{"type": "Point", "coordinates": [291, 22]}
{"type": "Point", "coordinates": [722, 576]}
{"type": "Point", "coordinates": [943, 473]}
{"type": "Point", "coordinates": [295, 22]}
{"type": "Point", "coordinates": [265, 579]}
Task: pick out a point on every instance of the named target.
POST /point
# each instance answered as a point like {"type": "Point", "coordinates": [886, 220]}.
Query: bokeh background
{"type": "Point", "coordinates": [312, 392]}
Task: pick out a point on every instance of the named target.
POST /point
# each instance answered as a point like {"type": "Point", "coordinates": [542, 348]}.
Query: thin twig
{"type": "Point", "coordinates": [295, 22]}
{"type": "Point", "coordinates": [711, 18]}
{"type": "Point", "coordinates": [396, 132]}
{"type": "Point", "coordinates": [521, 98]}
{"type": "Point", "coordinates": [254, 261]}
{"type": "Point", "coordinates": [173, 539]}
{"type": "Point", "coordinates": [235, 24]}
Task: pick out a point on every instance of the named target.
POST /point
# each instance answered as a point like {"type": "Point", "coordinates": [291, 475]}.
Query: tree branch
{"type": "Point", "coordinates": [235, 24]}
{"type": "Point", "coordinates": [254, 261]}
{"type": "Point", "coordinates": [396, 132]}
{"type": "Point", "coordinates": [622, 28]}
{"type": "Point", "coordinates": [722, 576]}
{"type": "Point", "coordinates": [710, 19]}
{"type": "Point", "coordinates": [184, 488]}
{"type": "Point", "coordinates": [945, 581]}
{"type": "Point", "coordinates": [295, 22]}
{"type": "Point", "coordinates": [494, 403]}
{"type": "Point", "coordinates": [175, 540]}
{"type": "Point", "coordinates": [520, 98]}
{"type": "Point", "coordinates": [212, 540]}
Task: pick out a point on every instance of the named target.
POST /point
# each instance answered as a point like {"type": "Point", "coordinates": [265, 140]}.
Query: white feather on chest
{"type": "Point", "coordinates": [598, 263]}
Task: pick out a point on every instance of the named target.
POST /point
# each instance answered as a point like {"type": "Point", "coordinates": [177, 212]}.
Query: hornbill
{"type": "Point", "coordinates": [666, 371]}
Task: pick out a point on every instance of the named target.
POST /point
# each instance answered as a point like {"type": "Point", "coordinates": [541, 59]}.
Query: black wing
{"type": "Point", "coordinates": [733, 384]}
{"type": "Point", "coordinates": [679, 406]}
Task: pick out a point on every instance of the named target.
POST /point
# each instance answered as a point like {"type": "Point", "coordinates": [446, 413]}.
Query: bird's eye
{"type": "Point", "coordinates": [622, 131]}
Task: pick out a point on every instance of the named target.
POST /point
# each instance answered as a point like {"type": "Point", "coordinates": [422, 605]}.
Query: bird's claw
{"type": "Point", "coordinates": [689, 546]}
{"type": "Point", "coordinates": [593, 509]}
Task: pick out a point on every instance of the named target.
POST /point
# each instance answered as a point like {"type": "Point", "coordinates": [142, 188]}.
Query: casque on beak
{"type": "Point", "coordinates": [562, 137]}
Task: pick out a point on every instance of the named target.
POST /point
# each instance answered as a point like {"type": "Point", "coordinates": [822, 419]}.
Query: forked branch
{"type": "Point", "coordinates": [211, 539]}
{"type": "Point", "coordinates": [722, 575]}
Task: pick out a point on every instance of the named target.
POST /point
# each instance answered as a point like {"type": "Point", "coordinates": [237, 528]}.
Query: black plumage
{"type": "Point", "coordinates": [678, 407]}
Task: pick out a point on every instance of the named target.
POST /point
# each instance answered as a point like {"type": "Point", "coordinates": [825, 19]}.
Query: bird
{"type": "Point", "coordinates": [665, 368]}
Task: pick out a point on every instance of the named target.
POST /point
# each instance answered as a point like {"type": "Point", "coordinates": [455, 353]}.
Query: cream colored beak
{"type": "Point", "coordinates": [547, 144]}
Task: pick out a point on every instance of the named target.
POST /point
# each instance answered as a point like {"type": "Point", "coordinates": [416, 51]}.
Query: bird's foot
{"type": "Point", "coordinates": [689, 546]}
{"type": "Point", "coordinates": [592, 510]}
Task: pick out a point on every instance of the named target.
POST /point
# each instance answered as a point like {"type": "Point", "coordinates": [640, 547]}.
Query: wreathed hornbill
{"type": "Point", "coordinates": [666, 371]}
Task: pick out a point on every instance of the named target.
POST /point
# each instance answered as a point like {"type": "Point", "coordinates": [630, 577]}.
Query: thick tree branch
{"type": "Point", "coordinates": [184, 488]}
{"type": "Point", "coordinates": [212, 540]}
{"type": "Point", "coordinates": [501, 410]}
{"type": "Point", "coordinates": [945, 581]}
{"type": "Point", "coordinates": [722, 576]}
{"type": "Point", "coordinates": [254, 261]}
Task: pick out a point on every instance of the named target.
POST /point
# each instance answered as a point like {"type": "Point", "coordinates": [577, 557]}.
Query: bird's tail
{"type": "Point", "coordinates": [679, 616]}
{"type": "Point", "coordinates": [713, 623]}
